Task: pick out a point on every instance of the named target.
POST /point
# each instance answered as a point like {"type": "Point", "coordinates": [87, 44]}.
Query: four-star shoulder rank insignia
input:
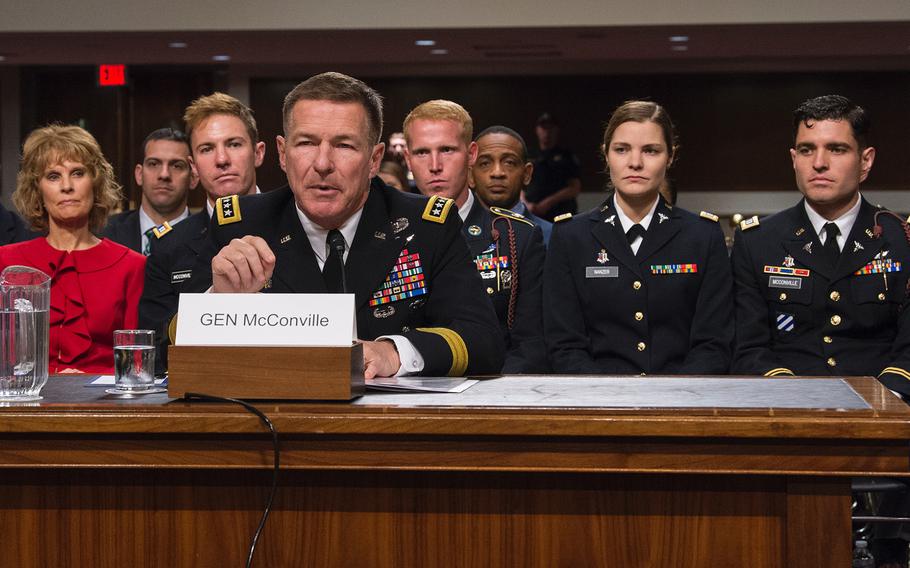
{"type": "Point", "coordinates": [227, 210]}
{"type": "Point", "coordinates": [749, 223]}
{"type": "Point", "coordinates": [709, 216]}
{"type": "Point", "coordinates": [162, 229]}
{"type": "Point", "coordinates": [563, 217]}
{"type": "Point", "coordinates": [437, 209]}
{"type": "Point", "coordinates": [508, 213]}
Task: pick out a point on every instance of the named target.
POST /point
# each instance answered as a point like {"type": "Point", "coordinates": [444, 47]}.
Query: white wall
{"type": "Point", "coordinates": [156, 15]}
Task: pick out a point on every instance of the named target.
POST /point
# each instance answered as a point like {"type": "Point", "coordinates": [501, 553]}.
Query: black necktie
{"type": "Point", "coordinates": [332, 271]}
{"type": "Point", "coordinates": [635, 231]}
{"type": "Point", "coordinates": [832, 252]}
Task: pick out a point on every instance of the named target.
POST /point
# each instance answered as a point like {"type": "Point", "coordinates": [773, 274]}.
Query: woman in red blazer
{"type": "Point", "coordinates": [66, 189]}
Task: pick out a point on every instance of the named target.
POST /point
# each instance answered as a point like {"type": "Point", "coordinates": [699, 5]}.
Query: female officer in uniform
{"type": "Point", "coordinates": [637, 285]}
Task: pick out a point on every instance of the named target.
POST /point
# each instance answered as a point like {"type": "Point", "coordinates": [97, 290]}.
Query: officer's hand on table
{"type": "Point", "coordinates": [380, 359]}
{"type": "Point", "coordinates": [244, 265]}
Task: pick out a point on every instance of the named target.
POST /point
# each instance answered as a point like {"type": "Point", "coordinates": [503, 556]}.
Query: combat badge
{"type": "Point", "coordinates": [162, 229]}
{"type": "Point", "coordinates": [399, 224]}
{"type": "Point", "coordinates": [228, 210]}
{"type": "Point", "coordinates": [383, 312]}
{"type": "Point", "coordinates": [437, 209]}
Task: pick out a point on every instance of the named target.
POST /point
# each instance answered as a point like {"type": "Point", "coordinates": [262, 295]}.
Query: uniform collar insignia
{"type": "Point", "coordinates": [285, 239]}
{"type": "Point", "coordinates": [379, 235]}
{"type": "Point", "coordinates": [662, 218]}
{"type": "Point", "coordinates": [611, 220]}
{"type": "Point", "coordinates": [857, 246]}
{"type": "Point", "coordinates": [808, 247]}
{"type": "Point", "coordinates": [870, 234]}
{"type": "Point", "coordinates": [800, 231]}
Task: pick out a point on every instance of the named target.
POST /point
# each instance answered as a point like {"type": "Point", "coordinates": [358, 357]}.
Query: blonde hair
{"type": "Point", "coordinates": [51, 145]}
{"type": "Point", "coordinates": [440, 109]}
{"type": "Point", "coordinates": [219, 103]}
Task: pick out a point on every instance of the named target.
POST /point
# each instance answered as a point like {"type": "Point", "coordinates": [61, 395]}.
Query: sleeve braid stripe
{"type": "Point", "coordinates": [897, 371]}
{"type": "Point", "coordinates": [456, 345]}
{"type": "Point", "coordinates": [779, 371]}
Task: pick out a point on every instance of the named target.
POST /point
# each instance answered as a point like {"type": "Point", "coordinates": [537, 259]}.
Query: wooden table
{"type": "Point", "coordinates": [90, 480]}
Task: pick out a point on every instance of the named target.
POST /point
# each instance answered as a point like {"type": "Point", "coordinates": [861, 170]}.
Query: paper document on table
{"type": "Point", "coordinates": [421, 384]}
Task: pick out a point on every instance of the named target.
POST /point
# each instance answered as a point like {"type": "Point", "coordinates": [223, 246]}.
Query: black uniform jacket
{"type": "Point", "coordinates": [666, 310]}
{"type": "Point", "coordinates": [452, 324]}
{"type": "Point", "coordinates": [13, 229]}
{"type": "Point", "coordinates": [171, 269]}
{"type": "Point", "coordinates": [123, 228]}
{"type": "Point", "coordinates": [502, 273]}
{"type": "Point", "coordinates": [847, 321]}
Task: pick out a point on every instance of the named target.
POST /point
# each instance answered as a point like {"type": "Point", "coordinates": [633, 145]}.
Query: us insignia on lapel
{"type": "Point", "coordinates": [869, 233]}
{"type": "Point", "coordinates": [405, 280]}
{"type": "Point", "coordinates": [285, 239]}
{"type": "Point", "coordinates": [228, 210]}
{"type": "Point", "coordinates": [800, 231]}
{"type": "Point", "coordinates": [162, 229]}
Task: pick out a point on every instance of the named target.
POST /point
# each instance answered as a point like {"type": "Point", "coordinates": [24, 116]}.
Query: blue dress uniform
{"type": "Point", "coordinates": [170, 271]}
{"type": "Point", "coordinates": [408, 268]}
{"type": "Point", "coordinates": [511, 267]}
{"type": "Point", "coordinates": [797, 315]}
{"type": "Point", "coordinates": [666, 310]}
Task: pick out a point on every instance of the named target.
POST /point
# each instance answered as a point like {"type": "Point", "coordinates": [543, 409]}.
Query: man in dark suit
{"type": "Point", "coordinates": [507, 249]}
{"type": "Point", "coordinates": [13, 229]}
{"type": "Point", "coordinates": [821, 288]}
{"type": "Point", "coordinates": [226, 151]}
{"type": "Point", "coordinates": [420, 305]}
{"type": "Point", "coordinates": [165, 177]}
{"type": "Point", "coordinates": [502, 171]}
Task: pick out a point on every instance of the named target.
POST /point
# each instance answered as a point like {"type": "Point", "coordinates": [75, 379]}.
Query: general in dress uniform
{"type": "Point", "coordinates": [666, 309]}
{"type": "Point", "coordinates": [799, 315]}
{"type": "Point", "coordinates": [408, 268]}
{"type": "Point", "coordinates": [509, 255]}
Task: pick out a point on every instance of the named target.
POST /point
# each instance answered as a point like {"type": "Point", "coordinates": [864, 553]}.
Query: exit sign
{"type": "Point", "coordinates": [111, 75]}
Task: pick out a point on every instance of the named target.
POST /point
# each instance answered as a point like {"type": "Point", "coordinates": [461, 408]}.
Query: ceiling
{"type": "Point", "coordinates": [753, 47]}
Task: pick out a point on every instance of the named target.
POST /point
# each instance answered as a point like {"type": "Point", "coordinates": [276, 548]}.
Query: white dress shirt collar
{"type": "Point", "coordinates": [466, 206]}
{"type": "Point", "coordinates": [844, 223]}
{"type": "Point", "coordinates": [627, 223]}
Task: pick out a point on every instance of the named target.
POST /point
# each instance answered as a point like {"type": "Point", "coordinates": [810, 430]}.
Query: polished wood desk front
{"type": "Point", "coordinates": [92, 481]}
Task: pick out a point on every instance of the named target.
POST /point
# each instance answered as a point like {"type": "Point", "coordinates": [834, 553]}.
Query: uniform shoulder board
{"type": "Point", "coordinates": [749, 223]}
{"type": "Point", "coordinates": [561, 218]}
{"type": "Point", "coordinates": [227, 210]}
{"type": "Point", "coordinates": [908, 219]}
{"type": "Point", "coordinates": [508, 213]}
{"type": "Point", "coordinates": [162, 229]}
{"type": "Point", "coordinates": [437, 209]}
{"type": "Point", "coordinates": [709, 216]}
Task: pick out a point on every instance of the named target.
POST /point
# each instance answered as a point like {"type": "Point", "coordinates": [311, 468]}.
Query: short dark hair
{"type": "Point", "coordinates": [499, 129]}
{"type": "Point", "coordinates": [338, 88]}
{"type": "Point", "coordinates": [171, 134]}
{"type": "Point", "coordinates": [834, 107]}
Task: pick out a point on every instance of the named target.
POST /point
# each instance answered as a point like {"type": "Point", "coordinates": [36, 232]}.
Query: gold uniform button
{"type": "Point", "coordinates": [641, 345]}
{"type": "Point", "coordinates": [490, 290]}
{"type": "Point", "coordinates": [832, 362]}
{"type": "Point", "coordinates": [881, 296]}
{"type": "Point", "coordinates": [835, 320]}
{"type": "Point", "coordinates": [636, 285]}
{"type": "Point", "coordinates": [783, 296]}
{"type": "Point", "coordinates": [827, 339]}
{"type": "Point", "coordinates": [835, 296]}
{"type": "Point", "coordinates": [639, 316]}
